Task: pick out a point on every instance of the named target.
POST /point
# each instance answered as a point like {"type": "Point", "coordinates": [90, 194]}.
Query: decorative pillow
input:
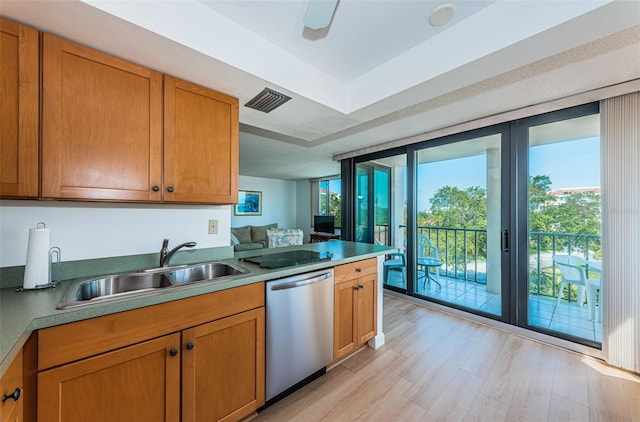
{"type": "Point", "coordinates": [259, 233]}
{"type": "Point", "coordinates": [242, 234]}
{"type": "Point", "coordinates": [277, 238]}
{"type": "Point", "coordinates": [234, 239]}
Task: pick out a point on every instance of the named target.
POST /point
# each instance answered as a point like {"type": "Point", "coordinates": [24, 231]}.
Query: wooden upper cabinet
{"type": "Point", "coordinates": [19, 84]}
{"type": "Point", "coordinates": [101, 127]}
{"type": "Point", "coordinates": [200, 144]}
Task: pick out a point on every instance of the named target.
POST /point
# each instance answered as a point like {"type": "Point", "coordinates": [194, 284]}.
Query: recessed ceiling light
{"type": "Point", "coordinates": [442, 14]}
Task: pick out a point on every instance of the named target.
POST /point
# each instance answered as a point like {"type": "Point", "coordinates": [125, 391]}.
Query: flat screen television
{"type": "Point", "coordinates": [324, 223]}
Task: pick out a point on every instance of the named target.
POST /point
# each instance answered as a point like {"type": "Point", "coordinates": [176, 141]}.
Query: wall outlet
{"type": "Point", "coordinates": [213, 226]}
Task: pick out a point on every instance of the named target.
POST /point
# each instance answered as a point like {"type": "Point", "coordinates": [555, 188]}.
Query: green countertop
{"type": "Point", "coordinates": [21, 313]}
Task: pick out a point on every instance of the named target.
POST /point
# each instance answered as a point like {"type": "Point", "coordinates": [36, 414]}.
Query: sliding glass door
{"type": "Point", "coordinates": [458, 223]}
{"type": "Point", "coordinates": [373, 212]}
{"type": "Point", "coordinates": [564, 236]}
{"type": "Point", "coordinates": [381, 187]}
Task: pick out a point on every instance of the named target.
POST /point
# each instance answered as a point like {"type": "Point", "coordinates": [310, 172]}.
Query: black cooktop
{"type": "Point", "coordinates": [288, 259]}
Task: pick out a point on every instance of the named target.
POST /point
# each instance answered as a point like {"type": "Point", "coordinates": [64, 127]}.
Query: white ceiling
{"type": "Point", "coordinates": [378, 73]}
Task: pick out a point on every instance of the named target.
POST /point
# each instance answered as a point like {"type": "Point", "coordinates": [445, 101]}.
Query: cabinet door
{"type": "Point", "coordinates": [102, 125]}
{"type": "Point", "coordinates": [344, 322]}
{"type": "Point", "coordinates": [137, 383]}
{"type": "Point", "coordinates": [223, 368]}
{"type": "Point", "coordinates": [201, 144]}
{"type": "Point", "coordinates": [367, 312]}
{"type": "Point", "coordinates": [19, 82]}
{"type": "Point", "coordinates": [12, 381]}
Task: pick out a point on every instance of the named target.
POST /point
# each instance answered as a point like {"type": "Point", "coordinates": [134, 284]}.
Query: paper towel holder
{"type": "Point", "coordinates": [53, 282]}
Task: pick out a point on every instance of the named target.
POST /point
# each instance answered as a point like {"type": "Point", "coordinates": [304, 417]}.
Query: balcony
{"type": "Point", "coordinates": [463, 277]}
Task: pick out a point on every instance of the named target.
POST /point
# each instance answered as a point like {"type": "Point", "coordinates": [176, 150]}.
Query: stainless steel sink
{"type": "Point", "coordinates": [116, 285]}
{"type": "Point", "coordinates": [86, 291]}
{"type": "Point", "coordinates": [205, 272]}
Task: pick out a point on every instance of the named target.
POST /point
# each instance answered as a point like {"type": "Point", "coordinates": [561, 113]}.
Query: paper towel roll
{"type": "Point", "coordinates": [36, 270]}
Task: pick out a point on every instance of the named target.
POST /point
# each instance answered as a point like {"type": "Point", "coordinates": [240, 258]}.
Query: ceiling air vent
{"type": "Point", "coordinates": [267, 100]}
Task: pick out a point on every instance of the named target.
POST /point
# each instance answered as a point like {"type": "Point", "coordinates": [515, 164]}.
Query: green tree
{"type": "Point", "coordinates": [579, 213]}
{"type": "Point", "coordinates": [335, 204]}
{"type": "Point", "coordinates": [539, 196]}
{"type": "Point", "coordinates": [453, 207]}
{"type": "Point", "coordinates": [539, 191]}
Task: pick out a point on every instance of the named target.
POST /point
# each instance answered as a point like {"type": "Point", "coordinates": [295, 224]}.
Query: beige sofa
{"type": "Point", "coordinates": [246, 238]}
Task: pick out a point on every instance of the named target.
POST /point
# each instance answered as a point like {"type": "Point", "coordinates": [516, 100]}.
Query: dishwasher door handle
{"type": "Point", "coordinates": [300, 283]}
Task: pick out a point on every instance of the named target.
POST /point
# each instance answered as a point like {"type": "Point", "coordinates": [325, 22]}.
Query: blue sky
{"type": "Point", "coordinates": [569, 164]}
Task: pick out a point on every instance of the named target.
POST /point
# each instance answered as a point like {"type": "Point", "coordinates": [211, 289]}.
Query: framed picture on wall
{"type": "Point", "coordinates": [249, 203]}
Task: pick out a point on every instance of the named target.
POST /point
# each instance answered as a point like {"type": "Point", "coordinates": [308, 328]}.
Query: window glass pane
{"type": "Point", "coordinates": [564, 227]}
{"type": "Point", "coordinates": [335, 200]}
{"type": "Point", "coordinates": [330, 196]}
{"type": "Point", "coordinates": [458, 224]}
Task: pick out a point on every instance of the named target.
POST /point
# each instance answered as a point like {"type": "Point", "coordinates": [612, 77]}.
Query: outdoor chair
{"type": "Point", "coordinates": [574, 271]}
{"type": "Point", "coordinates": [396, 261]}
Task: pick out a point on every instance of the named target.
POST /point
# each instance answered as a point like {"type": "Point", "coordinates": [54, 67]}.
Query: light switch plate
{"type": "Point", "coordinates": [213, 226]}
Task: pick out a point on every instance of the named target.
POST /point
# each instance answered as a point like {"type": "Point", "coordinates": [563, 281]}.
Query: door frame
{"type": "Point", "coordinates": [520, 214]}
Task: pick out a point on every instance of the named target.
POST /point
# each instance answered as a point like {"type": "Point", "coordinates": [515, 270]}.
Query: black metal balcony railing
{"type": "Point", "coordinates": [463, 253]}
{"type": "Point", "coordinates": [544, 277]}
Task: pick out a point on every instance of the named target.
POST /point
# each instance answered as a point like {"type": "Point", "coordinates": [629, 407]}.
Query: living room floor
{"type": "Point", "coordinates": [439, 367]}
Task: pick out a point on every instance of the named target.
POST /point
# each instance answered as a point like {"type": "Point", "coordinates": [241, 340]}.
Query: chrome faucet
{"type": "Point", "coordinates": [165, 254]}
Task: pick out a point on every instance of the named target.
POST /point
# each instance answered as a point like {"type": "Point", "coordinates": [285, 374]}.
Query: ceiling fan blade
{"type": "Point", "coordinates": [319, 13]}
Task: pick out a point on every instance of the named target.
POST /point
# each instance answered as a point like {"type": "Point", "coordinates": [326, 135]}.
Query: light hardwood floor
{"type": "Point", "coordinates": [438, 367]}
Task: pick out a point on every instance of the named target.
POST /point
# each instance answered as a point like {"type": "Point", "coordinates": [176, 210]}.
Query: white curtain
{"type": "Point", "coordinates": [620, 122]}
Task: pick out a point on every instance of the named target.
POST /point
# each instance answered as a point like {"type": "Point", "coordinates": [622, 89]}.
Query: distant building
{"type": "Point", "coordinates": [560, 195]}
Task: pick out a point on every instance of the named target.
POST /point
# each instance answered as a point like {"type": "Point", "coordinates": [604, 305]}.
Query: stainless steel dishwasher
{"type": "Point", "coordinates": [299, 330]}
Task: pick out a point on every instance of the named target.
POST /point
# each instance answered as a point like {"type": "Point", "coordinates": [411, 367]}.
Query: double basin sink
{"type": "Point", "coordinates": [104, 288]}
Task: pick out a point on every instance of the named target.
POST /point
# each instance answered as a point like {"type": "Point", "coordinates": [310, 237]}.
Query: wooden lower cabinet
{"type": "Point", "coordinates": [204, 369]}
{"type": "Point", "coordinates": [223, 368]}
{"type": "Point", "coordinates": [345, 302]}
{"type": "Point", "coordinates": [355, 306]}
{"type": "Point", "coordinates": [367, 310]}
{"type": "Point", "coordinates": [136, 383]}
{"type": "Point", "coordinates": [11, 384]}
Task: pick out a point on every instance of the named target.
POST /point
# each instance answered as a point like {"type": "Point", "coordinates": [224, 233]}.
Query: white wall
{"type": "Point", "coordinates": [278, 202]}
{"type": "Point", "coordinates": [97, 230]}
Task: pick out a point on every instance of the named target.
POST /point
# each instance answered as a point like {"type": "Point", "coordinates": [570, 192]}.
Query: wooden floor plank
{"type": "Point", "coordinates": [606, 396]}
{"type": "Point", "coordinates": [484, 356]}
{"type": "Point", "coordinates": [507, 371]}
{"type": "Point", "coordinates": [457, 397]}
{"type": "Point", "coordinates": [562, 409]}
{"type": "Point", "coordinates": [570, 379]}
{"type": "Point", "coordinates": [486, 409]}
{"type": "Point", "coordinates": [532, 394]}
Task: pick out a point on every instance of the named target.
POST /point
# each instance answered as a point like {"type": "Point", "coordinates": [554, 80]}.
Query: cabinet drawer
{"type": "Point", "coordinates": [78, 340]}
{"type": "Point", "coordinates": [353, 270]}
{"type": "Point", "coordinates": [11, 380]}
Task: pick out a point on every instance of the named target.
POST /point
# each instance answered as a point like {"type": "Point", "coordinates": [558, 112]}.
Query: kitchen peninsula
{"type": "Point", "coordinates": [23, 314]}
